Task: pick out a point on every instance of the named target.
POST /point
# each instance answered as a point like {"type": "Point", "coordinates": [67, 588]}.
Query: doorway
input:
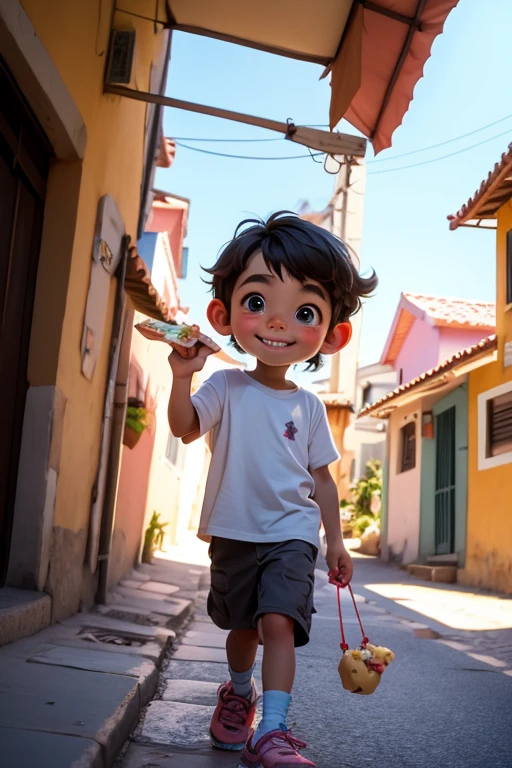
{"type": "Point", "coordinates": [445, 482]}
{"type": "Point", "coordinates": [25, 155]}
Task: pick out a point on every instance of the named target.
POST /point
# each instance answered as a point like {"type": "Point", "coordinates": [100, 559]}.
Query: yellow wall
{"type": "Point", "coordinates": [77, 40]}
{"type": "Point", "coordinates": [489, 538]}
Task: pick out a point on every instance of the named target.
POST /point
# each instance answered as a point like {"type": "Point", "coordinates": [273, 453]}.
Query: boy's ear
{"type": "Point", "coordinates": [218, 317]}
{"type": "Point", "coordinates": [338, 338]}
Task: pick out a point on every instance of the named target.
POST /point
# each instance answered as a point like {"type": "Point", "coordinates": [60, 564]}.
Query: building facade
{"type": "Point", "coordinates": [489, 539]}
{"type": "Point", "coordinates": [75, 163]}
{"type": "Point", "coordinates": [426, 471]}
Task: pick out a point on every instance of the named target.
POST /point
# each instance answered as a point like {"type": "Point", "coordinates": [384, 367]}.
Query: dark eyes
{"type": "Point", "coordinates": [308, 315]}
{"type": "Point", "coordinates": [305, 315]}
{"type": "Point", "coordinates": [254, 303]}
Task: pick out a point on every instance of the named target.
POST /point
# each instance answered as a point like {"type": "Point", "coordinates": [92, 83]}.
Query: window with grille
{"type": "Point", "coordinates": [408, 447]}
{"type": "Point", "coordinates": [499, 425]}
{"type": "Point", "coordinates": [509, 266]}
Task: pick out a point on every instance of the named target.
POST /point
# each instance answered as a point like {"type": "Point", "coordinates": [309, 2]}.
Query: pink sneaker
{"type": "Point", "coordinates": [277, 749]}
{"type": "Point", "coordinates": [232, 719]}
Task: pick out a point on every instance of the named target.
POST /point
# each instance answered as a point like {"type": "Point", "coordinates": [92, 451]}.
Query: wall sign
{"type": "Point", "coordinates": [106, 254]}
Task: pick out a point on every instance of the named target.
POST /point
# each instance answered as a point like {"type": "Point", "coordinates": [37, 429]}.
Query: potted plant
{"type": "Point", "coordinates": [366, 502]}
{"type": "Point", "coordinates": [137, 420]}
{"type": "Point", "coordinates": [153, 538]}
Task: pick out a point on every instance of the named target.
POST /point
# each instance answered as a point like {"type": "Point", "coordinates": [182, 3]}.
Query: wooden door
{"type": "Point", "coordinates": [445, 482]}
{"type": "Point", "coordinates": [24, 163]}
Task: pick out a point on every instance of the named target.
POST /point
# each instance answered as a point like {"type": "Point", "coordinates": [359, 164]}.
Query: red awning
{"type": "Point", "coordinates": [393, 53]}
{"type": "Point", "coordinates": [375, 51]}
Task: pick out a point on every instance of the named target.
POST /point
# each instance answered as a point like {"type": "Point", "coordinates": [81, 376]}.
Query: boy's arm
{"type": "Point", "coordinates": [326, 496]}
{"type": "Point", "coordinates": [183, 419]}
{"type": "Point", "coordinates": [181, 413]}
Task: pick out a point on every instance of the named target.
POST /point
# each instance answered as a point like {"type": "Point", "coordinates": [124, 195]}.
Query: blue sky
{"type": "Point", "coordinates": [406, 236]}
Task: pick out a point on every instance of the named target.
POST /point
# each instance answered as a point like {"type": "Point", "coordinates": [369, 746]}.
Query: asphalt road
{"type": "Point", "coordinates": [435, 706]}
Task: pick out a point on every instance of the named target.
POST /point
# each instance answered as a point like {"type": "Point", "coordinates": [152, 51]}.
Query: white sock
{"type": "Point", "coordinates": [242, 683]}
{"type": "Point", "coordinates": [275, 710]}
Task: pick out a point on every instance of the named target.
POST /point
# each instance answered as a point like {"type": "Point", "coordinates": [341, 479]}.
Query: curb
{"type": "Point", "coordinates": [89, 680]}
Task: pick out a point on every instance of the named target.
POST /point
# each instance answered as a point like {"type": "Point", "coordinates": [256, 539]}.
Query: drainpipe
{"type": "Point", "coordinates": [122, 365]}
{"type": "Point", "coordinates": [119, 326]}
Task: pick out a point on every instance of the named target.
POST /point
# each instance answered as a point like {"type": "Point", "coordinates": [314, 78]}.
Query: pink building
{"type": "Point", "coordinates": [425, 347]}
{"type": "Point", "coordinates": [150, 470]}
{"type": "Point", "coordinates": [427, 330]}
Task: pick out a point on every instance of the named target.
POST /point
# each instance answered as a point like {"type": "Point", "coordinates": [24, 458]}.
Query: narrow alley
{"type": "Point", "coordinates": [437, 703]}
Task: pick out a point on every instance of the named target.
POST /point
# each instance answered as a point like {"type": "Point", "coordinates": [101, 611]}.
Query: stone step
{"type": "Point", "coordinates": [445, 574]}
{"type": "Point", "coordinates": [449, 559]}
{"type": "Point", "coordinates": [22, 613]}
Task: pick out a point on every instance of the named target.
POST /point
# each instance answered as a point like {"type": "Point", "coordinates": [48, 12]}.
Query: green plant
{"type": "Point", "coordinates": [366, 498]}
{"type": "Point", "coordinates": [360, 524]}
{"type": "Point", "coordinates": [367, 490]}
{"type": "Point", "coordinates": [137, 418]}
{"type": "Point", "coordinates": [153, 538]}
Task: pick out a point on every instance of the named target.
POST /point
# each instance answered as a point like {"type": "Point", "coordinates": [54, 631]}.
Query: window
{"type": "Point", "coordinates": [367, 395]}
{"type": "Point", "coordinates": [495, 427]}
{"type": "Point", "coordinates": [499, 425]}
{"type": "Point", "coordinates": [174, 451]}
{"type": "Point", "coordinates": [408, 447]}
{"type": "Point", "coordinates": [509, 267]}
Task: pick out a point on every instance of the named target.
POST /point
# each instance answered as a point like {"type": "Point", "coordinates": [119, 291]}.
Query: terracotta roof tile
{"type": "Point", "coordinates": [456, 312]}
{"type": "Point", "coordinates": [380, 407]}
{"type": "Point", "coordinates": [493, 192]}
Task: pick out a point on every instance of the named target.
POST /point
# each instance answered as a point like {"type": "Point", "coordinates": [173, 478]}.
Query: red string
{"type": "Point", "coordinates": [344, 646]}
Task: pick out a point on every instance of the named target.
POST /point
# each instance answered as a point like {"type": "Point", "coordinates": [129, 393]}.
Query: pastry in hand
{"type": "Point", "coordinates": [180, 335]}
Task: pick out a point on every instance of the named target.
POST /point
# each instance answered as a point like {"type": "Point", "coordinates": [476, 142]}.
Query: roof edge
{"type": "Point", "coordinates": [469, 211]}
{"type": "Point", "coordinates": [459, 359]}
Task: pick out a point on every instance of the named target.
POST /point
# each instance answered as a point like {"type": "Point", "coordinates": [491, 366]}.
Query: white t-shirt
{"type": "Point", "coordinates": [264, 443]}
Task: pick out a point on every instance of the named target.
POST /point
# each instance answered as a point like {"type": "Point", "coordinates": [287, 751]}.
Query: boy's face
{"type": "Point", "coordinates": [280, 322]}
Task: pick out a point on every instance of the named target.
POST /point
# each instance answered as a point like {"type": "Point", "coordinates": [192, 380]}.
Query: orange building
{"type": "Point", "coordinates": [489, 525]}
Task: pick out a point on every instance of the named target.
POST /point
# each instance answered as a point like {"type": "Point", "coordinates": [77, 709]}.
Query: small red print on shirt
{"type": "Point", "coordinates": [291, 430]}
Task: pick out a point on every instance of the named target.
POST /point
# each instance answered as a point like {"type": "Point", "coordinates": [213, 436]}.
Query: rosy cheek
{"type": "Point", "coordinates": [243, 323]}
{"type": "Point", "coordinates": [308, 335]}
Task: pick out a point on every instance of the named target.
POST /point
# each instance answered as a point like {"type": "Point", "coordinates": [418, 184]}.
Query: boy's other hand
{"type": "Point", "coordinates": [339, 562]}
{"type": "Point", "coordinates": [185, 361]}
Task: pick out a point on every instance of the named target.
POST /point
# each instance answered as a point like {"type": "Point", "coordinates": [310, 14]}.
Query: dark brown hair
{"type": "Point", "coordinates": [304, 250]}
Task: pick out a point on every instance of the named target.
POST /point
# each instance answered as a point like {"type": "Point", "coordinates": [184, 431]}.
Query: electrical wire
{"type": "Point", "coordinates": [228, 141]}
{"type": "Point", "coordinates": [370, 162]}
{"type": "Point", "coordinates": [443, 157]}
{"type": "Point", "coordinates": [248, 157]}
{"type": "Point", "coordinates": [441, 143]}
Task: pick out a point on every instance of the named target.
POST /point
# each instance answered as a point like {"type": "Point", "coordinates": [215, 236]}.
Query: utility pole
{"type": "Point", "coordinates": [347, 223]}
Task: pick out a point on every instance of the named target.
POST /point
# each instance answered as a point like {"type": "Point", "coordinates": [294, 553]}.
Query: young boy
{"type": "Point", "coordinates": [284, 291]}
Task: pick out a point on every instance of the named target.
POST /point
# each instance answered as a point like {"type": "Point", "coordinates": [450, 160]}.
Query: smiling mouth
{"type": "Point", "coordinates": [270, 343]}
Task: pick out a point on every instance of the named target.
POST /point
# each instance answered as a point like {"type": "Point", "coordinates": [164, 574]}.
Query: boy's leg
{"type": "Point", "coordinates": [285, 605]}
{"type": "Point", "coordinates": [278, 671]}
{"type": "Point", "coordinates": [278, 635]}
{"type": "Point", "coordinates": [241, 647]}
{"type": "Point", "coordinates": [232, 601]}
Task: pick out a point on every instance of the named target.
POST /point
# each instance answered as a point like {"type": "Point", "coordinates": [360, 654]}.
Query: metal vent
{"type": "Point", "coordinates": [120, 61]}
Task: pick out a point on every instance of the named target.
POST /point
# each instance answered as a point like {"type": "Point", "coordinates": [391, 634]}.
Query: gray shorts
{"type": "Point", "coordinates": [249, 580]}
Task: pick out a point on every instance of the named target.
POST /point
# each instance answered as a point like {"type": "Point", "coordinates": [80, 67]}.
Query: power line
{"type": "Point", "coordinates": [435, 159]}
{"type": "Point", "coordinates": [441, 143]}
{"type": "Point", "coordinates": [227, 141]}
{"type": "Point", "coordinates": [247, 157]}
{"type": "Point", "coordinates": [371, 162]}
{"type": "Point", "coordinates": [241, 141]}
{"type": "Point", "coordinates": [371, 173]}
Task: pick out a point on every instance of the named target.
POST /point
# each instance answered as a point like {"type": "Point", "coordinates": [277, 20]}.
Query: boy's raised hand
{"type": "Point", "coordinates": [185, 361]}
